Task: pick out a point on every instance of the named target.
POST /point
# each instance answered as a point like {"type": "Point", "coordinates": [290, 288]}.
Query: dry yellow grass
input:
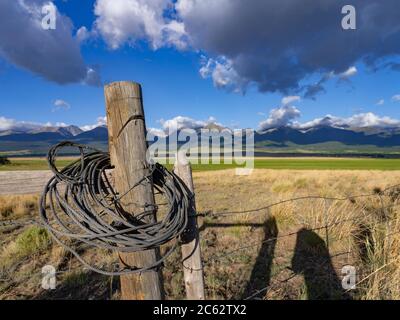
{"type": "Point", "coordinates": [363, 232]}
{"type": "Point", "coordinates": [375, 248]}
{"type": "Point", "coordinates": [14, 207]}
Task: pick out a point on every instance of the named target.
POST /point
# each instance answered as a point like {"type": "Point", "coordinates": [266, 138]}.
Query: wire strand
{"type": "Point", "coordinates": [79, 203]}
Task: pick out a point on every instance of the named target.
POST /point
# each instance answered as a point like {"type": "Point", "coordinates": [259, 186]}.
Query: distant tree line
{"type": "Point", "coordinates": [4, 160]}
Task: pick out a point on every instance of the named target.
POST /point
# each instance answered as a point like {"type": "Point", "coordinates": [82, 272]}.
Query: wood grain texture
{"type": "Point", "coordinates": [128, 147]}
{"type": "Point", "coordinates": [191, 253]}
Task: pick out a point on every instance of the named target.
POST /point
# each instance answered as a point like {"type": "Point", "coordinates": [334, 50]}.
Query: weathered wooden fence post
{"type": "Point", "coordinates": [191, 253]}
{"type": "Point", "coordinates": [128, 146]}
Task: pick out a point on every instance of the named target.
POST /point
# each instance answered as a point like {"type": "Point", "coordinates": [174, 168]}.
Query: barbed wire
{"type": "Point", "coordinates": [316, 197]}
{"type": "Point", "coordinates": [294, 233]}
{"type": "Point", "coordinates": [79, 212]}
{"type": "Point", "coordinates": [317, 228]}
{"type": "Point", "coordinates": [327, 226]}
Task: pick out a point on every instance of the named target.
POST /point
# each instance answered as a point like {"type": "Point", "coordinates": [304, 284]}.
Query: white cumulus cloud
{"type": "Point", "coordinates": [83, 34]}
{"type": "Point", "coordinates": [25, 126]}
{"type": "Point", "coordinates": [280, 117]}
{"type": "Point", "coordinates": [101, 121]}
{"type": "Point", "coordinates": [350, 72]}
{"type": "Point", "coordinates": [128, 21]}
{"type": "Point", "coordinates": [396, 98]}
{"type": "Point", "coordinates": [181, 123]}
{"type": "Point", "coordinates": [222, 74]}
{"type": "Point", "coordinates": [60, 104]}
{"type": "Point", "coordinates": [290, 99]}
{"type": "Point", "coordinates": [360, 120]}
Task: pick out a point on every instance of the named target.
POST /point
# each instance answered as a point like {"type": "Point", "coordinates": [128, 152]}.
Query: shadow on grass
{"type": "Point", "coordinates": [261, 273]}
{"type": "Point", "coordinates": [364, 241]}
{"type": "Point", "coordinates": [82, 285]}
{"type": "Point", "coordinates": [312, 260]}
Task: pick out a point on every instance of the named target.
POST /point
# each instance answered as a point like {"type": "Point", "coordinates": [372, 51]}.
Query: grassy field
{"type": "Point", "coordinates": [260, 163]}
{"type": "Point", "coordinates": [277, 252]}
{"type": "Point", "coordinates": [313, 164]}
{"type": "Point", "coordinates": [18, 164]}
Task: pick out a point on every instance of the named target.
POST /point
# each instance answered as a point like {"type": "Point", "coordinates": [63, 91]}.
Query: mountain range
{"type": "Point", "coordinates": [19, 134]}
{"type": "Point", "coordinates": [324, 134]}
{"type": "Point", "coordinates": [321, 138]}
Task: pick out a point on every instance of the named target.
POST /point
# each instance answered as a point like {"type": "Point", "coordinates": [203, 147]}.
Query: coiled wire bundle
{"type": "Point", "coordinates": [79, 205]}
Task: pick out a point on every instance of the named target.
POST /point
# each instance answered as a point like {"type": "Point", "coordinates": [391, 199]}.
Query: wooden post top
{"type": "Point", "coordinates": [122, 90]}
{"type": "Point", "coordinates": [118, 83]}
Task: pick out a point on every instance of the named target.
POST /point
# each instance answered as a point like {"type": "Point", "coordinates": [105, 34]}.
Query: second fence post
{"type": "Point", "coordinates": [128, 147]}
{"type": "Point", "coordinates": [191, 253]}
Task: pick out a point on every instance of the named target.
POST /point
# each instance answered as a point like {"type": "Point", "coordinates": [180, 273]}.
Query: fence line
{"type": "Point", "coordinates": [225, 213]}
{"type": "Point", "coordinates": [325, 226]}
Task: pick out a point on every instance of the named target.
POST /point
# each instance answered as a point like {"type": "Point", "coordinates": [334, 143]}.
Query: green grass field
{"type": "Point", "coordinates": [260, 163]}
{"type": "Point", "coordinates": [31, 164]}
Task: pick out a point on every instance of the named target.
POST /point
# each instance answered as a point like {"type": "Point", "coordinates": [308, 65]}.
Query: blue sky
{"type": "Point", "coordinates": [171, 78]}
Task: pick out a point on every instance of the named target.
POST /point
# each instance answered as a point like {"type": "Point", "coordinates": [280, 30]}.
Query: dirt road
{"type": "Point", "coordinates": [23, 182]}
